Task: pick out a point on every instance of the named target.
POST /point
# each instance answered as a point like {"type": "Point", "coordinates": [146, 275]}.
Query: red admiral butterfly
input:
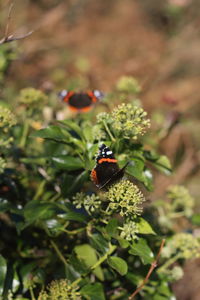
{"type": "Point", "coordinates": [106, 170]}
{"type": "Point", "coordinates": [80, 102]}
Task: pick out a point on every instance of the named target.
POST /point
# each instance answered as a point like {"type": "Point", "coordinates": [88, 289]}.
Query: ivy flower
{"type": "Point", "coordinates": [32, 97]}
{"type": "Point", "coordinates": [129, 230]}
{"type": "Point", "coordinates": [124, 198]}
{"type": "Point", "coordinates": [185, 245]}
{"type": "Point", "coordinates": [91, 203]}
{"type": "Point", "coordinates": [7, 118]}
{"type": "Point", "coordinates": [129, 121]}
{"type": "Point", "coordinates": [181, 199]}
{"type": "Point", "coordinates": [128, 84]}
{"type": "Point", "coordinates": [60, 290]}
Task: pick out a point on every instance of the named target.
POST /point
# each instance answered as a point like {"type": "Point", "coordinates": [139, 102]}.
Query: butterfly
{"type": "Point", "coordinates": [80, 102]}
{"type": "Point", "coordinates": [106, 171]}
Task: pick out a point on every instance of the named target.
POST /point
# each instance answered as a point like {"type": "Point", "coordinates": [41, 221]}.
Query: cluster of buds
{"type": "Point", "coordinates": [181, 200]}
{"type": "Point", "coordinates": [129, 230]}
{"type": "Point", "coordinates": [91, 203]}
{"type": "Point", "coordinates": [7, 119]}
{"type": "Point", "coordinates": [184, 245]}
{"type": "Point", "coordinates": [124, 198]}
{"type": "Point", "coordinates": [60, 290]}
{"type": "Point", "coordinates": [129, 121]}
{"type": "Point", "coordinates": [32, 97]}
{"type": "Point", "coordinates": [128, 84]}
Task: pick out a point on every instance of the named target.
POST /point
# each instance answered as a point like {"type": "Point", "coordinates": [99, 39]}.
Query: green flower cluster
{"type": "Point", "coordinates": [7, 119]}
{"type": "Point", "coordinates": [176, 273]}
{"type": "Point", "coordinates": [32, 97]}
{"type": "Point", "coordinates": [129, 231]}
{"type": "Point", "coordinates": [181, 200]}
{"type": "Point", "coordinates": [124, 198]}
{"type": "Point", "coordinates": [126, 120]}
{"type": "Point", "coordinates": [60, 290]}
{"type": "Point", "coordinates": [91, 203]}
{"type": "Point", "coordinates": [129, 121]}
{"type": "Point", "coordinates": [128, 84]}
{"type": "Point", "coordinates": [184, 245]}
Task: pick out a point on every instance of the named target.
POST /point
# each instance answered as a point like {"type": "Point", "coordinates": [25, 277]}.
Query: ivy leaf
{"type": "Point", "coordinates": [93, 291]}
{"type": "Point", "coordinates": [74, 128]}
{"type": "Point", "coordinates": [135, 168]}
{"type": "Point", "coordinates": [68, 163]}
{"type": "Point", "coordinates": [118, 264]}
{"type": "Point", "coordinates": [54, 133]}
{"type": "Point", "coordinates": [36, 210]}
{"type": "Point", "coordinates": [163, 164]}
{"type": "Point", "coordinates": [141, 249]}
{"type": "Point", "coordinates": [99, 243]}
{"type": "Point", "coordinates": [88, 255]}
{"type": "Point", "coordinates": [144, 227]}
{"type": "Point", "coordinates": [111, 227]}
{"type": "Point", "coordinates": [77, 183]}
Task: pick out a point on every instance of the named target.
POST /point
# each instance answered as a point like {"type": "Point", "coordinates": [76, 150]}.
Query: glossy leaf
{"type": "Point", "coordinates": [99, 243]}
{"type": "Point", "coordinates": [36, 210]}
{"type": "Point", "coordinates": [118, 264]}
{"type": "Point", "coordinates": [111, 227]}
{"type": "Point", "coordinates": [54, 133]}
{"type": "Point", "coordinates": [93, 292]}
{"type": "Point", "coordinates": [68, 163]}
{"type": "Point", "coordinates": [144, 227]}
{"type": "Point", "coordinates": [88, 255]}
{"type": "Point", "coordinates": [141, 249]}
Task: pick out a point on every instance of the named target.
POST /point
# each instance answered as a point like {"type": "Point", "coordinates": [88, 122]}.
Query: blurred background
{"type": "Point", "coordinates": [80, 44]}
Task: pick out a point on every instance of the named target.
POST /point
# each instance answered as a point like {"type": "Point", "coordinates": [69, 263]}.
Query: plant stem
{"type": "Point", "coordinates": [31, 292]}
{"type": "Point", "coordinates": [59, 253]}
{"type": "Point", "coordinates": [109, 132]}
{"type": "Point", "coordinates": [40, 189]}
{"type": "Point", "coordinates": [25, 131]}
{"type": "Point", "coordinates": [169, 263]}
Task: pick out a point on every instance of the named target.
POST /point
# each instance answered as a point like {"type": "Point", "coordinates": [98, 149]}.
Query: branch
{"type": "Point", "coordinates": [153, 266]}
{"type": "Point", "coordinates": [10, 38]}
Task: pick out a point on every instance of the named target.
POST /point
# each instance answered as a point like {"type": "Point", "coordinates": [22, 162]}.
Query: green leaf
{"type": "Point", "coordinates": [73, 127]}
{"type": "Point", "coordinates": [3, 270]}
{"type": "Point", "coordinates": [123, 243]}
{"type": "Point", "coordinates": [77, 183]}
{"type": "Point", "coordinates": [196, 219]}
{"type": "Point", "coordinates": [163, 164]}
{"type": "Point", "coordinates": [36, 210]}
{"type": "Point", "coordinates": [135, 168]}
{"type": "Point", "coordinates": [141, 249]}
{"type": "Point", "coordinates": [87, 131]}
{"type": "Point", "coordinates": [68, 163]}
{"type": "Point", "coordinates": [118, 264]}
{"type": "Point", "coordinates": [111, 227]}
{"type": "Point", "coordinates": [54, 133]}
{"type": "Point", "coordinates": [144, 227]}
{"type": "Point", "coordinates": [99, 243]}
{"type": "Point", "coordinates": [88, 255]}
{"type": "Point", "coordinates": [35, 160]}
{"type": "Point", "coordinates": [93, 292]}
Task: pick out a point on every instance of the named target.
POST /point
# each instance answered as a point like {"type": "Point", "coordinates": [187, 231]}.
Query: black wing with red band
{"type": "Point", "coordinates": [106, 171]}
{"type": "Point", "coordinates": [80, 102]}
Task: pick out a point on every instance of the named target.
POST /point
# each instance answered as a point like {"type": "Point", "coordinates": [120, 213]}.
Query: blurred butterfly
{"type": "Point", "coordinates": [80, 102]}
